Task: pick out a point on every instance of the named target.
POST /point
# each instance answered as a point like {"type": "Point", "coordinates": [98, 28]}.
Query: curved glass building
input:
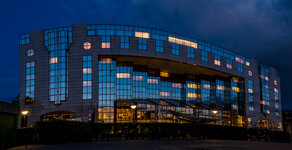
{"type": "Point", "coordinates": [123, 74]}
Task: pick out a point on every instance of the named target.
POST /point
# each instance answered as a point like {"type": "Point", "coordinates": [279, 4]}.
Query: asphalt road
{"type": "Point", "coordinates": [164, 145]}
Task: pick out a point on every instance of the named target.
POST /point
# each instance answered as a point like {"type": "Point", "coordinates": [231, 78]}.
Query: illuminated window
{"type": "Point", "coordinates": [30, 52]}
{"type": "Point", "coordinates": [137, 78]}
{"type": "Point", "coordinates": [191, 85]}
{"type": "Point", "coordinates": [267, 78]}
{"type": "Point", "coordinates": [249, 73]}
{"type": "Point", "coordinates": [234, 79]}
{"type": "Point", "coordinates": [105, 45]}
{"type": "Point", "coordinates": [239, 60]}
{"type": "Point", "coordinates": [87, 77]}
{"type": "Point", "coordinates": [220, 87]}
{"type": "Point", "coordinates": [53, 60]}
{"type": "Point", "coordinates": [152, 81]}
{"type": "Point", "coordinates": [262, 102]}
{"type": "Point", "coordinates": [275, 82]}
{"type": "Point", "coordinates": [207, 86]}
{"type": "Point", "coordinates": [164, 74]}
{"type": "Point", "coordinates": [236, 89]}
{"type": "Point", "coordinates": [105, 60]}
{"type": "Point", "coordinates": [176, 85]}
{"type": "Point", "coordinates": [250, 91]}
{"type": "Point", "coordinates": [142, 34]}
{"type": "Point", "coordinates": [182, 42]}
{"type": "Point", "coordinates": [164, 94]}
{"type": "Point", "coordinates": [247, 63]}
{"type": "Point", "coordinates": [229, 64]}
{"type": "Point", "coordinates": [87, 83]}
{"type": "Point", "coordinates": [123, 75]}
{"type": "Point", "coordinates": [87, 45]}
{"type": "Point", "coordinates": [275, 89]}
{"type": "Point", "coordinates": [192, 95]}
{"type": "Point", "coordinates": [87, 70]}
{"type": "Point", "coordinates": [217, 62]}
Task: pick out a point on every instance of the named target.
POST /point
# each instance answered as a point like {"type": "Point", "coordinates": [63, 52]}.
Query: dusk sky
{"type": "Point", "coordinates": [260, 29]}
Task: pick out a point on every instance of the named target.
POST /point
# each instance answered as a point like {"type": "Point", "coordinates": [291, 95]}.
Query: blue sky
{"type": "Point", "coordinates": [260, 29]}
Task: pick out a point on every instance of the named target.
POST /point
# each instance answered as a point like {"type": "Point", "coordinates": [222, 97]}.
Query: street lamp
{"type": "Point", "coordinates": [214, 112]}
{"type": "Point", "coordinates": [24, 112]}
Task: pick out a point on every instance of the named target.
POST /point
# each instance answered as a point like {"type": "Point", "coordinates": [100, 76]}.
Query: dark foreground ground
{"type": "Point", "coordinates": [165, 145]}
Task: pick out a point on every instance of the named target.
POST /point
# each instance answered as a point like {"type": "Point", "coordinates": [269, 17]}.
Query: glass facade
{"type": "Point", "coordinates": [57, 42]}
{"type": "Point", "coordinates": [276, 93]}
{"type": "Point", "coordinates": [87, 77]}
{"type": "Point", "coordinates": [250, 96]}
{"type": "Point", "coordinates": [264, 75]}
{"type": "Point", "coordinates": [158, 96]}
{"type": "Point", "coordinates": [175, 49]}
{"type": "Point", "coordinates": [29, 82]}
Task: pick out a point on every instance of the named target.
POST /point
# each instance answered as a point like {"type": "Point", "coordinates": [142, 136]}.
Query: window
{"type": "Point", "coordinates": [239, 67]}
{"type": "Point", "coordinates": [142, 35]}
{"type": "Point", "coordinates": [192, 95]}
{"type": "Point", "coordinates": [24, 39]}
{"type": "Point", "coordinates": [249, 73]}
{"type": "Point", "coordinates": [105, 45]}
{"type": "Point", "coordinates": [105, 41]}
{"type": "Point", "coordinates": [159, 46]}
{"type": "Point", "coordinates": [175, 49]}
{"type": "Point", "coordinates": [164, 94]}
{"type": "Point", "coordinates": [29, 82]}
{"type": "Point", "coordinates": [152, 81]}
{"type": "Point", "coordinates": [142, 44]}
{"type": "Point", "coordinates": [182, 42]}
{"type": "Point", "coordinates": [229, 64]}
{"type": "Point", "coordinates": [87, 45]}
{"type": "Point", "coordinates": [264, 73]}
{"type": "Point", "coordinates": [53, 60]}
{"type": "Point", "coordinates": [217, 60]}
{"type": "Point", "coordinates": [191, 52]}
{"type": "Point", "coordinates": [30, 52]}
{"type": "Point", "coordinates": [87, 77]}
{"type": "Point", "coordinates": [250, 95]}
{"type": "Point", "coordinates": [192, 85]}
{"type": "Point", "coordinates": [163, 74]}
{"type": "Point", "coordinates": [124, 42]}
{"type": "Point", "coordinates": [57, 41]}
{"type": "Point", "coordinates": [204, 56]}
{"type": "Point", "coordinates": [123, 75]}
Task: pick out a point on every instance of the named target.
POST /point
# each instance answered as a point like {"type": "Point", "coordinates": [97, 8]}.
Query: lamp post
{"type": "Point", "coordinates": [24, 118]}
{"type": "Point", "coordinates": [133, 107]}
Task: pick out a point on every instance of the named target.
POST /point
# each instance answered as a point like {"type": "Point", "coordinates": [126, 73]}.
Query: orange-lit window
{"type": "Point", "coordinates": [164, 94]}
{"type": "Point", "coordinates": [247, 63]}
{"type": "Point", "coordinates": [217, 62]}
{"type": "Point", "coordinates": [267, 78]}
{"type": "Point", "coordinates": [105, 45]}
{"type": "Point", "coordinates": [234, 79]}
{"type": "Point", "coordinates": [87, 70]}
{"type": "Point", "coordinates": [142, 35]}
{"type": "Point", "coordinates": [192, 86]}
{"type": "Point", "coordinates": [207, 86]}
{"type": "Point", "coordinates": [105, 60]}
{"type": "Point", "coordinates": [137, 78]}
{"type": "Point", "coordinates": [87, 45]}
{"type": "Point", "coordinates": [250, 91]}
{"type": "Point", "coordinates": [123, 75]}
{"type": "Point", "coordinates": [182, 42]}
{"type": "Point", "coordinates": [276, 90]}
{"type": "Point", "coordinates": [275, 82]}
{"type": "Point", "coordinates": [262, 102]}
{"type": "Point", "coordinates": [220, 87]}
{"type": "Point", "coordinates": [235, 89]}
{"type": "Point", "coordinates": [192, 95]}
{"type": "Point", "coordinates": [53, 60]}
{"type": "Point", "coordinates": [164, 74]}
{"type": "Point", "coordinates": [152, 81]}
